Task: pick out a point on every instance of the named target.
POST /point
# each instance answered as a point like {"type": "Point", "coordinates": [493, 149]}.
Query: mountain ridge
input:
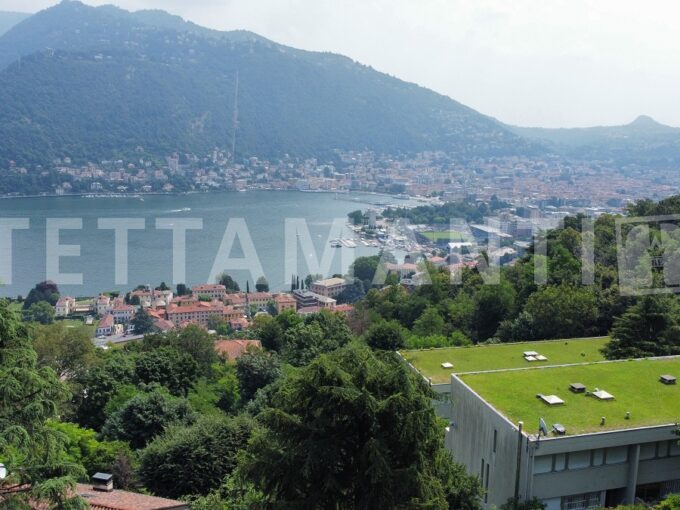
{"type": "Point", "coordinates": [99, 82]}
{"type": "Point", "coordinates": [114, 69]}
{"type": "Point", "coordinates": [9, 19]}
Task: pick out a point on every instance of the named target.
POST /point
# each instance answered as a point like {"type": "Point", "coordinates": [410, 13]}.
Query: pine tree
{"type": "Point", "coordinates": [355, 429]}
{"type": "Point", "coordinates": [32, 452]}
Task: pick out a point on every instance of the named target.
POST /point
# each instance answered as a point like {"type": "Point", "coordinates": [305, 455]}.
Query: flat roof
{"type": "Point", "coordinates": [330, 282]}
{"type": "Point", "coordinates": [634, 384]}
{"type": "Point", "coordinates": [503, 356]}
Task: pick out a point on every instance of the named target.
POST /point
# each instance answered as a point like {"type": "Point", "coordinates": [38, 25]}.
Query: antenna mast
{"type": "Point", "coordinates": [235, 120]}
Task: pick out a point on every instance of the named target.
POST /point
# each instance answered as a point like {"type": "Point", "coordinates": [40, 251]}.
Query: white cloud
{"type": "Point", "coordinates": [529, 62]}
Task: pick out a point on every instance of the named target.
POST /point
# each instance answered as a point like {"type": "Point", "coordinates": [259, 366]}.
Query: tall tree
{"type": "Point", "coordinates": [142, 322]}
{"type": "Point", "coordinates": [226, 280]}
{"type": "Point", "coordinates": [355, 429]}
{"type": "Point", "coordinates": [43, 291]}
{"type": "Point", "coordinates": [262, 285]}
{"type": "Point", "coordinates": [66, 350]}
{"type": "Point", "coordinates": [204, 453]}
{"type": "Point", "coordinates": [651, 327]}
{"type": "Point", "coordinates": [256, 369]}
{"type": "Point", "coordinates": [32, 451]}
{"type": "Point", "coordinates": [386, 335]}
{"type": "Point", "coordinates": [145, 416]}
{"type": "Point", "coordinates": [41, 312]}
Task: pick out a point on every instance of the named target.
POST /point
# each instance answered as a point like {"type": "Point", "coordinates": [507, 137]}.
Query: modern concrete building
{"type": "Point", "coordinates": [607, 433]}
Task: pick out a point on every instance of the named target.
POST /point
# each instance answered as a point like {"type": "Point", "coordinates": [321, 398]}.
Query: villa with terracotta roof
{"type": "Point", "coordinates": [103, 305]}
{"type": "Point", "coordinates": [64, 306]}
{"type": "Point", "coordinates": [330, 287]}
{"type": "Point", "coordinates": [201, 313]}
{"type": "Point", "coordinates": [284, 302]}
{"type": "Point", "coordinates": [212, 290]}
{"type": "Point", "coordinates": [233, 349]}
{"type": "Point", "coordinates": [236, 300]}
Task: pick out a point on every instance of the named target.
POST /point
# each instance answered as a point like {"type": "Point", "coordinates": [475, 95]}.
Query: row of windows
{"type": "Point", "coordinates": [582, 501]}
{"type": "Point", "coordinates": [602, 456]}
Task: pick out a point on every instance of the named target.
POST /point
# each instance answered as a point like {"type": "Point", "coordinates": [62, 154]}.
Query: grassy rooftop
{"type": "Point", "coordinates": [634, 384]}
{"type": "Point", "coordinates": [503, 356]}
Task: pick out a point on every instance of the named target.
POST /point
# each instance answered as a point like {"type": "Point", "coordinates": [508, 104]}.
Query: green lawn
{"type": "Point", "coordinates": [448, 235]}
{"type": "Point", "coordinates": [634, 384]}
{"type": "Point", "coordinates": [71, 323]}
{"type": "Point", "coordinates": [503, 356]}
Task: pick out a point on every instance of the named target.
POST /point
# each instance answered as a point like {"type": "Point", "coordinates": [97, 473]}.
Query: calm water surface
{"type": "Point", "coordinates": [150, 257]}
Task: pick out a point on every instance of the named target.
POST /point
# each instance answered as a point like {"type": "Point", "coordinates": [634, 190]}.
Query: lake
{"type": "Point", "coordinates": [87, 262]}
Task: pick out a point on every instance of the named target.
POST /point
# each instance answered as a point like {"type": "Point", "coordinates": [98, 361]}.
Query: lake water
{"type": "Point", "coordinates": [150, 250]}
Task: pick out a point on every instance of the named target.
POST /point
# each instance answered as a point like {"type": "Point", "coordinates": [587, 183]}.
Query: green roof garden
{"type": "Point", "coordinates": [503, 356]}
{"type": "Point", "coordinates": [634, 384]}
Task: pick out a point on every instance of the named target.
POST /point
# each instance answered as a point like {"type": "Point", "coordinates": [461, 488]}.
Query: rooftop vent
{"type": "Point", "coordinates": [667, 379]}
{"type": "Point", "coordinates": [558, 429]}
{"type": "Point", "coordinates": [446, 364]}
{"type": "Point", "coordinates": [533, 356]}
{"type": "Point", "coordinates": [102, 482]}
{"type": "Point", "coordinates": [602, 395]}
{"type": "Point", "coordinates": [577, 387]}
{"type": "Point", "coordinates": [551, 400]}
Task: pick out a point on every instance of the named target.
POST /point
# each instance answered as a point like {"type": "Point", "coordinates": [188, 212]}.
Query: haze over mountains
{"type": "Point", "coordinates": [9, 19]}
{"type": "Point", "coordinates": [96, 83]}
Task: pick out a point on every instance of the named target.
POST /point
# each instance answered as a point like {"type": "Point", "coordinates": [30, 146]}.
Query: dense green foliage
{"type": "Point", "coordinates": [517, 308]}
{"type": "Point", "coordinates": [142, 322]}
{"type": "Point", "coordinates": [355, 429]}
{"type": "Point", "coordinates": [65, 350]}
{"type": "Point", "coordinates": [386, 335]}
{"type": "Point", "coordinates": [204, 453]}
{"type": "Point", "coordinates": [32, 451]}
{"type": "Point", "coordinates": [443, 214]}
{"type": "Point", "coordinates": [145, 416]}
{"type": "Point", "coordinates": [43, 291]}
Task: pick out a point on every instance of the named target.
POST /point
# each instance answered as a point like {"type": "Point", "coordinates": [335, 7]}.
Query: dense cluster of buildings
{"type": "Point", "coordinates": [519, 179]}
{"type": "Point", "coordinates": [206, 305]}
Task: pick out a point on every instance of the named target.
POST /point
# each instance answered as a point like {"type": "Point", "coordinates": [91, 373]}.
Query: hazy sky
{"type": "Point", "coordinates": [528, 62]}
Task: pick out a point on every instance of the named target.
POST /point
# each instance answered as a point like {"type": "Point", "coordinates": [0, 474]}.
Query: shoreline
{"type": "Point", "coordinates": [142, 194]}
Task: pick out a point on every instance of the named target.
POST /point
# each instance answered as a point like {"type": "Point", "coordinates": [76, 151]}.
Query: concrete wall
{"type": "Point", "coordinates": [471, 439]}
{"type": "Point", "coordinates": [474, 424]}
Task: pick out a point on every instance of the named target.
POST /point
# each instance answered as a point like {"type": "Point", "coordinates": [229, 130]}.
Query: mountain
{"type": "Point", "coordinates": [9, 19]}
{"type": "Point", "coordinates": [94, 83]}
{"type": "Point", "coordinates": [643, 141]}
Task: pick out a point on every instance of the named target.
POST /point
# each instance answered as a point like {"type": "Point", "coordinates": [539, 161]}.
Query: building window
{"type": "Point", "coordinates": [543, 464]}
{"type": "Point", "coordinates": [675, 448]}
{"type": "Point", "coordinates": [617, 455]}
{"type": "Point", "coordinates": [486, 486]}
{"type": "Point", "coordinates": [647, 451]}
{"type": "Point", "coordinates": [481, 474]}
{"type": "Point", "coordinates": [662, 449]}
{"type": "Point", "coordinates": [579, 460]}
{"type": "Point", "coordinates": [560, 462]}
{"type": "Point", "coordinates": [581, 501]}
{"type": "Point", "coordinates": [495, 439]}
{"type": "Point", "coordinates": [598, 457]}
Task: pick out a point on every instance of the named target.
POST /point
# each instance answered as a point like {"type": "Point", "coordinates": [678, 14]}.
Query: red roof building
{"type": "Point", "coordinates": [234, 349]}
{"type": "Point", "coordinates": [124, 500]}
